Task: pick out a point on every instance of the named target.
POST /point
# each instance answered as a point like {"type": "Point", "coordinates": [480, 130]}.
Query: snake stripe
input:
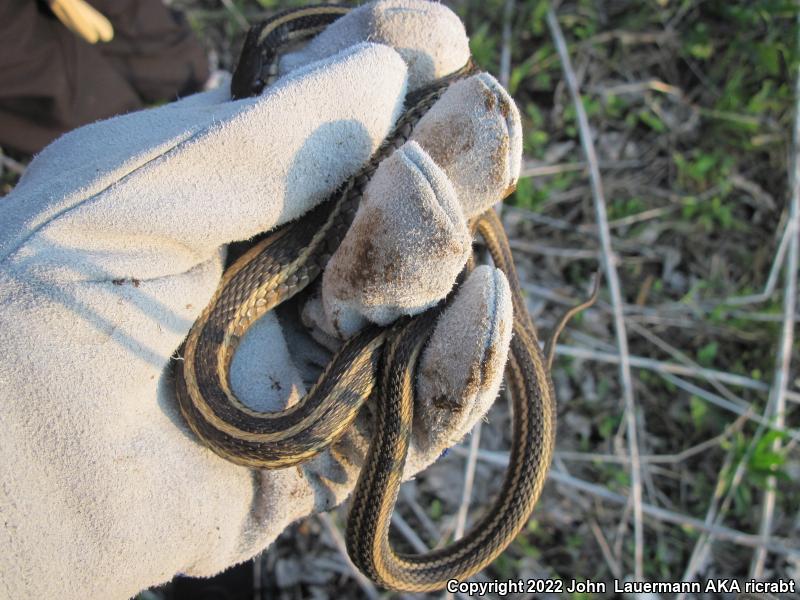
{"type": "Point", "coordinates": [533, 440]}
{"type": "Point", "coordinates": [274, 270]}
{"type": "Point", "coordinates": [258, 60]}
{"type": "Point", "coordinates": [377, 363]}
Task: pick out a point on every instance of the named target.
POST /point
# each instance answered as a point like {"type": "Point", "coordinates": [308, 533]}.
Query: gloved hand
{"type": "Point", "coordinates": [83, 20]}
{"type": "Point", "coordinates": [114, 241]}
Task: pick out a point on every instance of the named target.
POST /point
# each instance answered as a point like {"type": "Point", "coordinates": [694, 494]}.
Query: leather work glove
{"type": "Point", "coordinates": [114, 241]}
{"type": "Point", "coordinates": [83, 20]}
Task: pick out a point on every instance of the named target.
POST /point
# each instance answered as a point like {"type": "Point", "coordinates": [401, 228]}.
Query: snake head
{"type": "Point", "coordinates": [247, 78]}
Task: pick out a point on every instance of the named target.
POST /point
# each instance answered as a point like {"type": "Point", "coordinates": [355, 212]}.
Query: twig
{"type": "Point", "coordinates": [613, 565]}
{"type": "Point", "coordinates": [680, 357]}
{"type": "Point", "coordinates": [761, 198]}
{"type": "Point", "coordinates": [700, 550]}
{"type": "Point", "coordinates": [772, 279]}
{"type": "Point", "coordinates": [629, 38]}
{"type": "Point", "coordinates": [364, 583]}
{"type": "Point", "coordinates": [677, 457]}
{"type": "Point", "coordinates": [533, 248]}
{"type": "Point", "coordinates": [12, 165]}
{"type": "Point", "coordinates": [667, 367]}
{"type": "Point", "coordinates": [408, 532]}
{"type": "Point", "coordinates": [469, 480]}
{"type": "Point", "coordinates": [622, 527]}
{"type": "Point", "coordinates": [743, 411]}
{"type": "Point", "coordinates": [773, 544]}
{"type": "Point", "coordinates": [466, 492]}
{"type": "Point", "coordinates": [776, 407]}
{"type": "Point", "coordinates": [609, 266]}
{"type": "Point", "coordinates": [640, 86]}
{"type": "Point", "coordinates": [679, 308]}
{"type": "Point", "coordinates": [416, 542]}
{"type": "Point", "coordinates": [715, 515]}
{"type": "Point", "coordinates": [469, 469]}
{"type": "Point", "coordinates": [645, 215]}
{"type": "Point", "coordinates": [546, 220]}
{"type": "Point", "coordinates": [531, 168]}
{"type": "Point", "coordinates": [505, 51]}
{"type": "Point", "coordinates": [419, 512]}
{"type": "Point", "coordinates": [240, 19]}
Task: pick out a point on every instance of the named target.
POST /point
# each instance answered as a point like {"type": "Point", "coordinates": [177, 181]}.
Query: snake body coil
{"type": "Point", "coordinates": [284, 263]}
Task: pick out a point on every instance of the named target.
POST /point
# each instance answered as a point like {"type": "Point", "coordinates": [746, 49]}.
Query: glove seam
{"type": "Point", "coordinates": [492, 334]}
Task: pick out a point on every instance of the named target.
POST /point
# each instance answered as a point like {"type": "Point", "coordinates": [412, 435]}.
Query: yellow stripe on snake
{"type": "Point", "coordinates": [283, 264]}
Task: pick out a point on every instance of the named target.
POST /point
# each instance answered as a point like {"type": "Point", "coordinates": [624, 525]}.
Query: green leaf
{"type": "Point", "coordinates": [538, 16]}
{"type": "Point", "coordinates": [707, 354]}
{"type": "Point", "coordinates": [535, 115]}
{"type": "Point", "coordinates": [436, 509]}
{"type": "Point", "coordinates": [769, 58]}
{"type": "Point", "coordinates": [608, 426]}
{"type": "Point", "coordinates": [652, 120]}
{"type": "Point", "coordinates": [701, 50]}
{"type": "Point", "coordinates": [699, 411]}
{"type": "Point", "coordinates": [518, 73]}
{"type": "Point", "coordinates": [765, 459]}
{"type": "Point", "coordinates": [535, 142]}
{"type": "Point", "coordinates": [483, 47]}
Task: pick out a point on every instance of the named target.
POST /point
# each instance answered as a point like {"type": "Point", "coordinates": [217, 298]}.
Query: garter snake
{"type": "Point", "coordinates": [285, 262]}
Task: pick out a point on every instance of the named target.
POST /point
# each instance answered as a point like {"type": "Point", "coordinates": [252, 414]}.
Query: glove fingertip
{"type": "Point", "coordinates": [429, 36]}
{"type": "Point", "coordinates": [474, 134]}
{"type": "Point", "coordinates": [407, 244]}
{"type": "Point", "coordinates": [461, 370]}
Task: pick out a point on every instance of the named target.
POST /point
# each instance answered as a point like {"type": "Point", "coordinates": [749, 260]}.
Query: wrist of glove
{"type": "Point", "coordinates": [115, 240]}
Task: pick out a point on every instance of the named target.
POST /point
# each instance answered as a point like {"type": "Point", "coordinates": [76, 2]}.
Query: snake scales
{"type": "Point", "coordinates": [380, 362]}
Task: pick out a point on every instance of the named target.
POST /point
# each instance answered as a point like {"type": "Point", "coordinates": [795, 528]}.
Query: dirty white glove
{"type": "Point", "coordinates": [114, 241]}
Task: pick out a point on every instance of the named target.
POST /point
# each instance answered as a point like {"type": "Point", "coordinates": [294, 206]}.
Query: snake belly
{"type": "Point", "coordinates": [379, 362]}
